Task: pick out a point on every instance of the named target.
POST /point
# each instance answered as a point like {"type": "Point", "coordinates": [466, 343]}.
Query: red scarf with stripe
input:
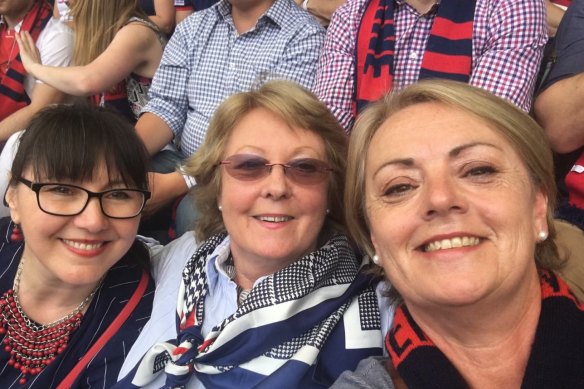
{"type": "Point", "coordinates": [448, 51]}
{"type": "Point", "coordinates": [556, 359]}
{"type": "Point", "coordinates": [12, 93]}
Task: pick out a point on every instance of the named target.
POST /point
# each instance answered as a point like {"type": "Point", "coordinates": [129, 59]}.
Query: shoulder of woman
{"type": "Point", "coordinates": [171, 258]}
{"type": "Point", "coordinates": [139, 30]}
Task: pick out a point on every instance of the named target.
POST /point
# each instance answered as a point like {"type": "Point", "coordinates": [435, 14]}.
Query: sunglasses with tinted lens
{"type": "Point", "coordinates": [249, 167]}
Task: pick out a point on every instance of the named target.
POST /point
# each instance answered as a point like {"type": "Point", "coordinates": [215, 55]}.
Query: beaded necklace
{"type": "Point", "coordinates": [33, 346]}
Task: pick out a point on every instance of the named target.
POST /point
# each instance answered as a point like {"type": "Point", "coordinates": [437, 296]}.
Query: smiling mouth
{"type": "Point", "coordinates": [274, 219]}
{"type": "Point", "coordinates": [444, 244]}
{"type": "Point", "coordinates": [83, 246]}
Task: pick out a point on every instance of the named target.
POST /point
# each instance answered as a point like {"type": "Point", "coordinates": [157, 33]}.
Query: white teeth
{"type": "Point", "coordinates": [82, 246]}
{"type": "Point", "coordinates": [452, 243]}
{"type": "Point", "coordinates": [274, 219]}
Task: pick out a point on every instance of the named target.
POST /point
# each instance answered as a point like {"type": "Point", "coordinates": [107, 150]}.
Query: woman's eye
{"type": "Point", "coordinates": [118, 195]}
{"type": "Point", "coordinates": [399, 189]}
{"type": "Point", "coordinates": [252, 164]}
{"type": "Point", "coordinates": [61, 190]}
{"type": "Point", "coordinates": [480, 171]}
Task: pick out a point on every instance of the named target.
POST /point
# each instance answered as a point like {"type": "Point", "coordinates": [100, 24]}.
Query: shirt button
{"type": "Point", "coordinates": [231, 65]}
{"type": "Point", "coordinates": [414, 56]}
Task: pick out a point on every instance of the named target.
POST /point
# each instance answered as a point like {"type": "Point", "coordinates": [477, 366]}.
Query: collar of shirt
{"type": "Point", "coordinates": [276, 13]}
{"type": "Point", "coordinates": [216, 274]}
{"type": "Point", "coordinates": [432, 11]}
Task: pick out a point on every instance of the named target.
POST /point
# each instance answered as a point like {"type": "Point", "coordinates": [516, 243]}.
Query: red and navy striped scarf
{"type": "Point", "coordinates": [448, 51]}
{"type": "Point", "coordinates": [12, 93]}
{"type": "Point", "coordinates": [556, 359]}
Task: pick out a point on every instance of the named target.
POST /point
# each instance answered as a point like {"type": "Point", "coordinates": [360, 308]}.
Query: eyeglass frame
{"type": "Point", "coordinates": [37, 186]}
{"type": "Point", "coordinates": [325, 167]}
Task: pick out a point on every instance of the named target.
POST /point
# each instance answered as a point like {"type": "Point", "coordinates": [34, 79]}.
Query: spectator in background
{"type": "Point", "coordinates": [558, 108]}
{"type": "Point", "coordinates": [117, 50]}
{"type": "Point", "coordinates": [21, 96]}
{"type": "Point", "coordinates": [227, 48]}
{"type": "Point", "coordinates": [493, 44]}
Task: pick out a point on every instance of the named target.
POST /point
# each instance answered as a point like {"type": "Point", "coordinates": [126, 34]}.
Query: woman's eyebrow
{"type": "Point", "coordinates": [455, 152]}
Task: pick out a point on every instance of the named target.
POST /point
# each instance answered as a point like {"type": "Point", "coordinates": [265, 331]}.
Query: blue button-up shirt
{"type": "Point", "coordinates": [207, 60]}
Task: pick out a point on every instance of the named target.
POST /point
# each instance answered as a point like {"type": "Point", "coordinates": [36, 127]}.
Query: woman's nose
{"type": "Point", "coordinates": [443, 195]}
{"type": "Point", "coordinates": [92, 218]}
{"type": "Point", "coordinates": [276, 185]}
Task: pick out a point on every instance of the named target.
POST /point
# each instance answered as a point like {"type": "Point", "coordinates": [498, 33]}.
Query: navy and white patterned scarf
{"type": "Point", "coordinates": [299, 327]}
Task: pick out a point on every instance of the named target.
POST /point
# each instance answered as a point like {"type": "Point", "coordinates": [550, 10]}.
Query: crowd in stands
{"type": "Point", "coordinates": [308, 179]}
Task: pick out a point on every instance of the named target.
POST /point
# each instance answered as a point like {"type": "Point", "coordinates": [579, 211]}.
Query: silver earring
{"type": "Point", "coordinates": [375, 259]}
{"type": "Point", "coordinates": [328, 211]}
{"type": "Point", "coordinates": [220, 208]}
{"type": "Point", "coordinates": [542, 236]}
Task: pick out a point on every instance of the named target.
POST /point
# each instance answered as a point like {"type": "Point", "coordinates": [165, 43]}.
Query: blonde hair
{"type": "Point", "coordinates": [523, 133]}
{"type": "Point", "coordinates": [294, 105]}
{"type": "Point", "coordinates": [96, 22]}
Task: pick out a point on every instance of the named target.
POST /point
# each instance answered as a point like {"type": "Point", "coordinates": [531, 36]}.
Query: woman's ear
{"type": "Point", "coordinates": [12, 203]}
{"type": "Point", "coordinates": [540, 211]}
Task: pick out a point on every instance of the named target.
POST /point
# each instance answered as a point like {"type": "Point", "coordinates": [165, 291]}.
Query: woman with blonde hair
{"type": "Point", "coordinates": [116, 52]}
{"type": "Point", "coordinates": [450, 191]}
{"type": "Point", "coordinates": [270, 292]}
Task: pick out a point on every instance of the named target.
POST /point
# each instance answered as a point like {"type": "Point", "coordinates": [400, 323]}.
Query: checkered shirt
{"type": "Point", "coordinates": [508, 39]}
{"type": "Point", "coordinates": [206, 61]}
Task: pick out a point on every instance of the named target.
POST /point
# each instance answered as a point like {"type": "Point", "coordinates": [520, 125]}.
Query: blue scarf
{"type": "Point", "coordinates": [288, 333]}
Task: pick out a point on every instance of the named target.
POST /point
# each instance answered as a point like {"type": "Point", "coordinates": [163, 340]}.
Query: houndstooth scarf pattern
{"type": "Point", "coordinates": [277, 336]}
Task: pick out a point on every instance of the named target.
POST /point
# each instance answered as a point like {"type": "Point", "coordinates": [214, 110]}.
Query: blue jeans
{"type": "Point", "coordinates": [166, 161]}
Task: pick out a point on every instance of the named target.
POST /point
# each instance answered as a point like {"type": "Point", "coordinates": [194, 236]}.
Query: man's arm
{"type": "Point", "coordinates": [513, 48]}
{"type": "Point", "coordinates": [42, 95]}
{"type": "Point", "coordinates": [154, 132]}
{"type": "Point", "coordinates": [336, 67]}
{"type": "Point", "coordinates": [165, 115]}
{"type": "Point", "coordinates": [558, 109]}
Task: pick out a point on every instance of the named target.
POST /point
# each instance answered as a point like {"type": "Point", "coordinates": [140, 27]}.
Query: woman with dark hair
{"type": "Point", "coordinates": [75, 283]}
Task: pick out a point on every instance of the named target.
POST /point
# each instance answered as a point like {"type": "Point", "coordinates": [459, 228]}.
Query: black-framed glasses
{"type": "Point", "coordinates": [249, 167]}
{"type": "Point", "coordinates": [70, 200]}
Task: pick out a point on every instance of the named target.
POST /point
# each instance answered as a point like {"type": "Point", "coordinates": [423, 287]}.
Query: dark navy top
{"type": "Point", "coordinates": [116, 289]}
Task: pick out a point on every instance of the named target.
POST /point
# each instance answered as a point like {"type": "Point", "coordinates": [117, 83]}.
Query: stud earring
{"type": "Point", "coordinates": [375, 259]}
{"type": "Point", "coordinates": [542, 236]}
{"type": "Point", "coordinates": [220, 208]}
{"type": "Point", "coordinates": [328, 211]}
{"type": "Point", "coordinates": [16, 235]}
